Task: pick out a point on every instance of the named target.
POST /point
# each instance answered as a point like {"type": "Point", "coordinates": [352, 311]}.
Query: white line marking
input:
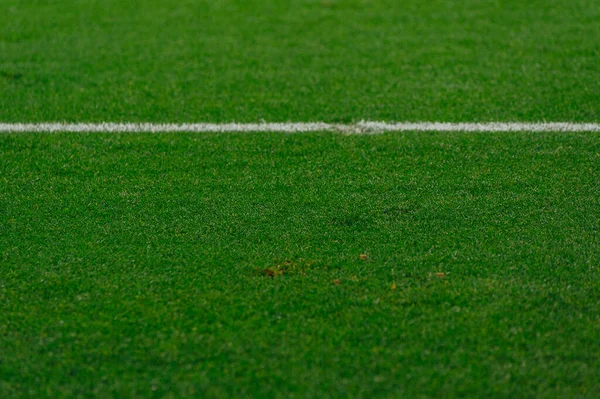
{"type": "Point", "coordinates": [350, 128]}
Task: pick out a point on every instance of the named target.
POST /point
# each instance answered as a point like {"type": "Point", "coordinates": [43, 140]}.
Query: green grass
{"type": "Point", "coordinates": [182, 265]}
{"type": "Point", "coordinates": [134, 265]}
{"type": "Point", "coordinates": [300, 60]}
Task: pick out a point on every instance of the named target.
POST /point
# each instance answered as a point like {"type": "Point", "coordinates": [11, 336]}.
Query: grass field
{"type": "Point", "coordinates": [408, 264]}
{"type": "Point", "coordinates": [302, 60]}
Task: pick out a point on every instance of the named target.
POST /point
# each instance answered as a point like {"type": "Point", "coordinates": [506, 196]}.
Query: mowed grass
{"type": "Point", "coordinates": [229, 265]}
{"type": "Point", "coordinates": [182, 265]}
{"type": "Point", "coordinates": [300, 60]}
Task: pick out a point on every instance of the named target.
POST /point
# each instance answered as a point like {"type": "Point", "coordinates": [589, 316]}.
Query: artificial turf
{"type": "Point", "coordinates": [229, 265]}
{"type": "Point", "coordinates": [206, 265]}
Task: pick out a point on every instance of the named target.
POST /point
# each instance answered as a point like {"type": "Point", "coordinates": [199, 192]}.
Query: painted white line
{"type": "Point", "coordinates": [350, 128]}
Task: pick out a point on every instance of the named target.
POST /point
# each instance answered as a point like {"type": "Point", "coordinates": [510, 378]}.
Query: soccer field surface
{"type": "Point", "coordinates": [299, 61]}
{"type": "Point", "coordinates": [415, 257]}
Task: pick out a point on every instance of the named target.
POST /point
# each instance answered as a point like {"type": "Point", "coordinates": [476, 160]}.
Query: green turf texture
{"type": "Point", "coordinates": [139, 265]}
{"type": "Point", "coordinates": [182, 265]}
{"type": "Point", "coordinates": [299, 60]}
